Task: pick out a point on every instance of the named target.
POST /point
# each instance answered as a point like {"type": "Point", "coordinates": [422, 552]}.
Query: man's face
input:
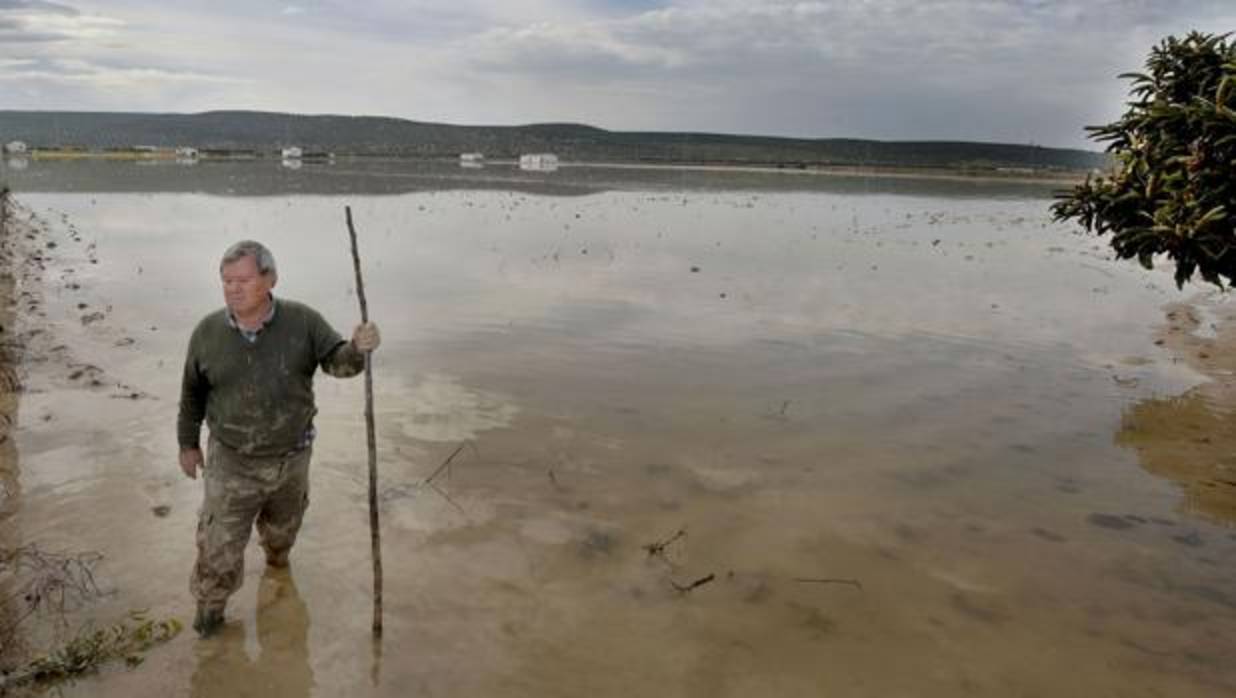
{"type": "Point", "coordinates": [244, 288]}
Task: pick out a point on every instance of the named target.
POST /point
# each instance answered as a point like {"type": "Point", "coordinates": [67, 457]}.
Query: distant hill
{"type": "Point", "coordinates": [382, 136]}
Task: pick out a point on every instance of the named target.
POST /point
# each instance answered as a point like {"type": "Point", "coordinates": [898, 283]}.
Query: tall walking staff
{"type": "Point", "coordinates": [375, 534]}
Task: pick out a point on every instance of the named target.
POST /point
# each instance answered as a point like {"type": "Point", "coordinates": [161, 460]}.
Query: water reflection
{"type": "Point", "coordinates": [1191, 441]}
{"type": "Point", "coordinates": [378, 176]}
{"type": "Point", "coordinates": [1191, 438]}
{"type": "Point", "coordinates": [914, 392]}
{"type": "Point", "coordinates": [281, 668]}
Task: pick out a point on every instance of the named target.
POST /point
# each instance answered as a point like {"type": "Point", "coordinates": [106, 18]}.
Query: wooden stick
{"type": "Point", "coordinates": [375, 534]}
{"type": "Point", "coordinates": [684, 588]}
{"type": "Point", "coordinates": [829, 580]}
{"type": "Point", "coordinates": [445, 464]}
{"type": "Point", "coordinates": [659, 547]}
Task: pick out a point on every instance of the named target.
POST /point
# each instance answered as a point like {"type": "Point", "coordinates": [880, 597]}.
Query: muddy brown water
{"type": "Point", "coordinates": [923, 441]}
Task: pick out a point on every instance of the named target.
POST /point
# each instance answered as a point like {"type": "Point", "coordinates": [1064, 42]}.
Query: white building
{"type": "Point", "coordinates": [15, 147]}
{"type": "Point", "coordinates": [538, 162]}
{"type": "Point", "coordinates": [186, 153]}
{"type": "Point", "coordinates": [293, 153]}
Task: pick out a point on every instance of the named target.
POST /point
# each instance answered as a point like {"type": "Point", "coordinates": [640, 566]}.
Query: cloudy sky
{"type": "Point", "coordinates": [1022, 71]}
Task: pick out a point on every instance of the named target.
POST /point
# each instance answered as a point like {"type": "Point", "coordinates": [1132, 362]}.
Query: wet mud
{"type": "Point", "coordinates": [12, 266]}
{"type": "Point", "coordinates": [782, 492]}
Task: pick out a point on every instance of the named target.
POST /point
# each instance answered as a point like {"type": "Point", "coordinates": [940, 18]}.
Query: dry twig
{"type": "Point", "coordinates": [657, 549]}
{"type": "Point", "coordinates": [53, 582]}
{"type": "Point", "coordinates": [684, 588]}
{"type": "Point", "coordinates": [411, 489]}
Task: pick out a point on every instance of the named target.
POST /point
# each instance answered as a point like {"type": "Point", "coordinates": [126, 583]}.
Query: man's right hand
{"type": "Point", "coordinates": [190, 461]}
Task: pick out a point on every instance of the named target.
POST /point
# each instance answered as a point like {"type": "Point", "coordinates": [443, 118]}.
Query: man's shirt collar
{"type": "Point", "coordinates": [252, 335]}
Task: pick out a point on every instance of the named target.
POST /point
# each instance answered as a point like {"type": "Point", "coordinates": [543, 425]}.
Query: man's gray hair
{"type": "Point", "coordinates": [251, 248]}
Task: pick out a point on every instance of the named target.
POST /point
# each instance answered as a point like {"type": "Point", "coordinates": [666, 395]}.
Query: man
{"type": "Point", "coordinates": [249, 374]}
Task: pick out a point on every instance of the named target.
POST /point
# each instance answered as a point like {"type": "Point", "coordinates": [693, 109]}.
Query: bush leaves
{"type": "Point", "coordinates": [1173, 189]}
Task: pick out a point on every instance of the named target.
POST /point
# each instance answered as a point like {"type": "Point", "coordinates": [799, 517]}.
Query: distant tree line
{"type": "Point", "coordinates": [377, 136]}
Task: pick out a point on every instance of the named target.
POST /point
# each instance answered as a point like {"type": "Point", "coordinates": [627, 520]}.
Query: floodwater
{"type": "Point", "coordinates": [921, 440]}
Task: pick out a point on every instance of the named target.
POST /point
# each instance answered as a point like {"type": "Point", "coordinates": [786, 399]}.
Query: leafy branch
{"type": "Point", "coordinates": [1172, 190]}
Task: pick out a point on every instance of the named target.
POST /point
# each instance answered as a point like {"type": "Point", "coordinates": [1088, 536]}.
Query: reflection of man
{"type": "Point", "coordinates": [249, 374]}
{"type": "Point", "coordinates": [282, 666]}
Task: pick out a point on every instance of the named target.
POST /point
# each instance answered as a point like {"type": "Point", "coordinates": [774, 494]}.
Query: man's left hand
{"type": "Point", "coordinates": [365, 337]}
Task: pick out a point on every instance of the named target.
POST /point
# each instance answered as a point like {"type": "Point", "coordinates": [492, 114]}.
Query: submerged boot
{"type": "Point", "coordinates": [208, 620]}
{"type": "Point", "coordinates": [277, 558]}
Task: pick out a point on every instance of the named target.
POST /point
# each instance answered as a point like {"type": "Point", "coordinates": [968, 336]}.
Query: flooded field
{"type": "Point", "coordinates": [921, 441]}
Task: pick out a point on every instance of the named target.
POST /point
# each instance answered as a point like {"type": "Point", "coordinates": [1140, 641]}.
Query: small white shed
{"type": "Point", "coordinates": [538, 162]}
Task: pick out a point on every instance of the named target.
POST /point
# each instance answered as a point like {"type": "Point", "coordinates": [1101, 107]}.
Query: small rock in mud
{"type": "Point", "coordinates": [92, 317]}
{"type": "Point", "coordinates": [1192, 539]}
{"type": "Point", "coordinates": [161, 510]}
{"type": "Point", "coordinates": [754, 590]}
{"type": "Point", "coordinates": [1048, 535]}
{"type": "Point", "coordinates": [597, 543]}
{"type": "Point", "coordinates": [657, 469]}
{"type": "Point", "coordinates": [1109, 521]}
{"type": "Point", "coordinates": [908, 533]}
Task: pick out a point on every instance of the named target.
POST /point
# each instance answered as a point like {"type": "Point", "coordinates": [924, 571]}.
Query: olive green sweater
{"type": "Point", "coordinates": [257, 396]}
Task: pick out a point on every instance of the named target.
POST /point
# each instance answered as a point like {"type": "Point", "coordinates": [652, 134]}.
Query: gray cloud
{"type": "Point", "coordinates": [986, 69]}
{"type": "Point", "coordinates": [17, 36]}
{"type": "Point", "coordinates": [37, 6]}
{"type": "Point", "coordinates": [1009, 70]}
{"type": "Point", "coordinates": [102, 74]}
{"type": "Point", "coordinates": [39, 21]}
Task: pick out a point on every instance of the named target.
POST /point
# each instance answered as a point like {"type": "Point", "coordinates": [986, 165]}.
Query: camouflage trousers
{"type": "Point", "coordinates": [240, 490]}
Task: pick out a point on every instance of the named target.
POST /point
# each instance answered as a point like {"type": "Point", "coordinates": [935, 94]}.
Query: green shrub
{"type": "Point", "coordinates": [1172, 190]}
